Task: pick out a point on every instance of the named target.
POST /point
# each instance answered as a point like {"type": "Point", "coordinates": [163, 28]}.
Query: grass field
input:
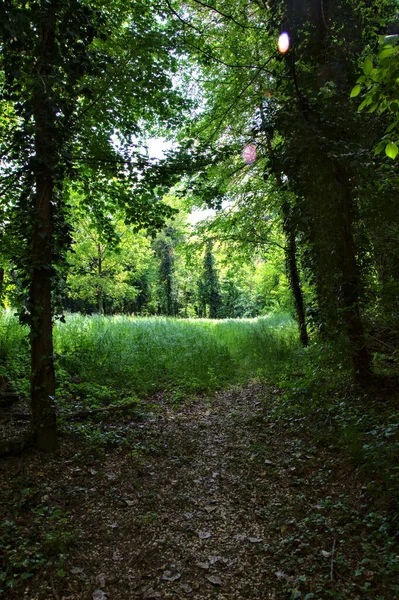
{"type": "Point", "coordinates": [143, 355]}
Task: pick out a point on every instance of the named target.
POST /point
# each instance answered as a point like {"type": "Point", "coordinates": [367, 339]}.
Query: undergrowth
{"type": "Point", "coordinates": [320, 405]}
{"type": "Point", "coordinates": [102, 359]}
{"type": "Point", "coordinates": [28, 544]}
{"type": "Point", "coordinates": [323, 400]}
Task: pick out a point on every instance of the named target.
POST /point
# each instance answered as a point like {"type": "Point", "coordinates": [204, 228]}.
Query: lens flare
{"type": "Point", "coordinates": [283, 42]}
{"type": "Point", "coordinates": [249, 154]}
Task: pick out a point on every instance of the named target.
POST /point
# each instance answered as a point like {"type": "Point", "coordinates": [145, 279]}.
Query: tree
{"type": "Point", "coordinates": [103, 271]}
{"type": "Point", "coordinates": [295, 113]}
{"type": "Point", "coordinates": [208, 286]}
{"type": "Point", "coordinates": [72, 76]}
{"type": "Point", "coordinates": [164, 249]}
{"type": "Point", "coordinates": [381, 94]}
{"type": "Point", "coordinates": [258, 212]}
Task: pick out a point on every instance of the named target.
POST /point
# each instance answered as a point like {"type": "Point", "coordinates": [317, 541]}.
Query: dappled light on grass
{"type": "Point", "coordinates": [149, 354]}
{"type": "Point", "coordinates": [102, 360]}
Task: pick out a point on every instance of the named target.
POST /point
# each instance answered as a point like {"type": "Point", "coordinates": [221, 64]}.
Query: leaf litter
{"type": "Point", "coordinates": [249, 533]}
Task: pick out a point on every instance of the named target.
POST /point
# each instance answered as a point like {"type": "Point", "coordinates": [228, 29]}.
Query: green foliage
{"type": "Point", "coordinates": [106, 360]}
{"type": "Point", "coordinates": [46, 542]}
{"type": "Point", "coordinates": [319, 397]}
{"type": "Point", "coordinates": [113, 269]}
{"type": "Point", "coordinates": [208, 286]}
{"type": "Point", "coordinates": [144, 355]}
{"type": "Point", "coordinates": [381, 96]}
{"type": "Point", "coordinates": [14, 348]}
{"type": "Point", "coordinates": [102, 273]}
{"type": "Point", "coordinates": [167, 293]}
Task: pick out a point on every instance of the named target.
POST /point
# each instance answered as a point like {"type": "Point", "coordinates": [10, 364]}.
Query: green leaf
{"type": "Point", "coordinates": [367, 66]}
{"type": "Point", "coordinates": [391, 150]}
{"type": "Point", "coordinates": [386, 52]}
{"type": "Point", "coordinates": [390, 39]}
{"type": "Point", "coordinates": [390, 127]}
{"type": "Point", "coordinates": [365, 102]}
{"type": "Point", "coordinates": [356, 91]}
{"type": "Point", "coordinates": [379, 148]}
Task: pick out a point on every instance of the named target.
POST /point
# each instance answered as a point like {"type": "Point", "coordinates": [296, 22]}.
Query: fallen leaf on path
{"type": "Point", "coordinates": [203, 565]}
{"type": "Point", "coordinates": [214, 579]}
{"type": "Point", "coordinates": [100, 580]}
{"type": "Point", "coordinates": [151, 593]}
{"type": "Point", "coordinates": [326, 554]}
{"type": "Point", "coordinates": [210, 509]}
{"type": "Point", "coordinates": [255, 540]}
{"type": "Point", "coordinates": [169, 576]}
{"type": "Point", "coordinates": [186, 588]}
{"type": "Point", "coordinates": [99, 595]}
{"type": "Point", "coordinates": [204, 535]}
{"type": "Point", "coordinates": [268, 462]}
{"type": "Point", "coordinates": [214, 559]}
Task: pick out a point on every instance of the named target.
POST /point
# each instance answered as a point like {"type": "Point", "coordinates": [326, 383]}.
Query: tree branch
{"type": "Point", "coordinates": [227, 16]}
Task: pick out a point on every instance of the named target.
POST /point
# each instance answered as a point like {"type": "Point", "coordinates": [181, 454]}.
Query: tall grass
{"type": "Point", "coordinates": [14, 351]}
{"type": "Point", "coordinates": [142, 355]}
{"type": "Point", "coordinates": [153, 353]}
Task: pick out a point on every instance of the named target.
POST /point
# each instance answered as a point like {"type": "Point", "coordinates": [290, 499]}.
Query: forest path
{"type": "Point", "coordinates": [209, 508]}
{"type": "Point", "coordinates": [213, 500]}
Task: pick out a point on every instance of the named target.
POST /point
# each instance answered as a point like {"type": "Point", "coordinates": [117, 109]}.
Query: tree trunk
{"type": "Point", "coordinates": [100, 295]}
{"type": "Point", "coordinates": [350, 288]}
{"type": "Point", "coordinates": [43, 379]}
{"type": "Point", "coordinates": [292, 269]}
{"type": "Point", "coordinates": [293, 276]}
{"type": "Point", "coordinates": [1, 285]}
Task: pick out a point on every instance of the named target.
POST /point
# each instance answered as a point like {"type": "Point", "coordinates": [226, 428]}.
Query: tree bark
{"type": "Point", "coordinates": [292, 269]}
{"type": "Point", "coordinates": [295, 283]}
{"type": "Point", "coordinates": [1, 285]}
{"type": "Point", "coordinates": [42, 364]}
{"type": "Point", "coordinates": [100, 296]}
{"type": "Point", "coordinates": [350, 289]}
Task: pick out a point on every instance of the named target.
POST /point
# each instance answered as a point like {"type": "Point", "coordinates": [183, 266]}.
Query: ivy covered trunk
{"type": "Point", "coordinates": [292, 265]}
{"type": "Point", "coordinates": [350, 288]}
{"type": "Point", "coordinates": [295, 283]}
{"type": "Point", "coordinates": [42, 365]}
{"type": "Point", "coordinates": [1, 285]}
{"type": "Point", "coordinates": [100, 295]}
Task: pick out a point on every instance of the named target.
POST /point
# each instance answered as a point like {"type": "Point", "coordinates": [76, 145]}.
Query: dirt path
{"type": "Point", "coordinates": [214, 501]}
